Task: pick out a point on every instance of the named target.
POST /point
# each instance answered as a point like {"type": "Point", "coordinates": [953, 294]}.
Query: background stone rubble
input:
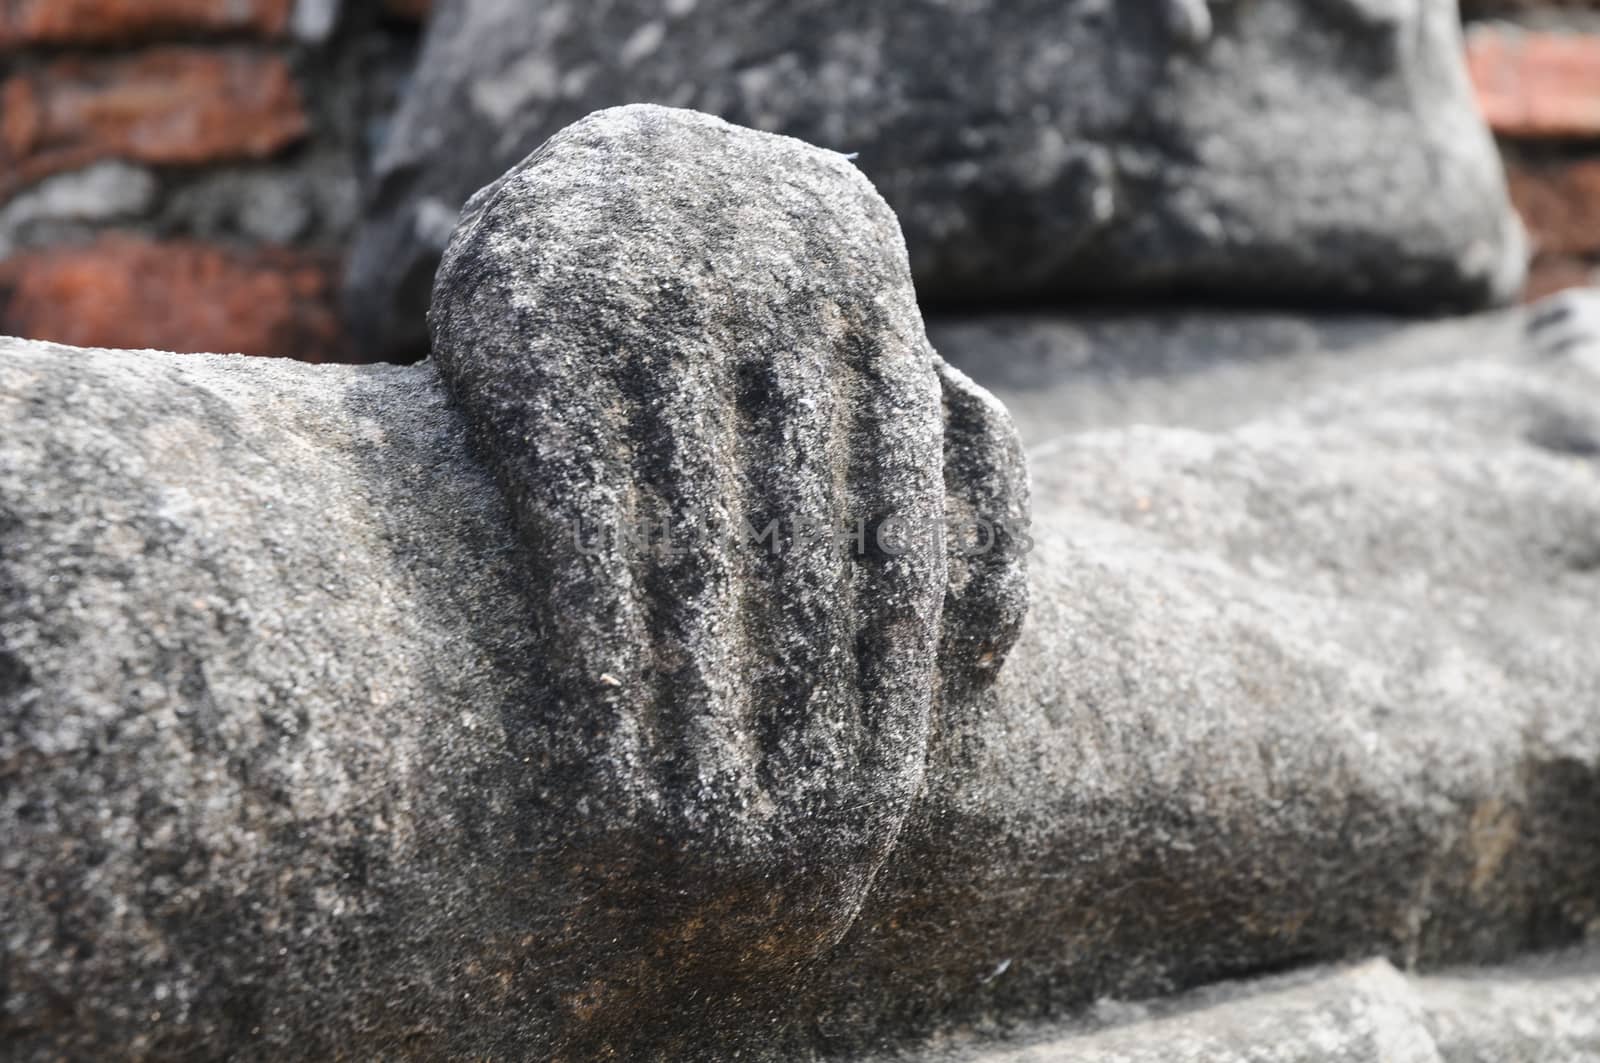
{"type": "Point", "coordinates": [250, 150]}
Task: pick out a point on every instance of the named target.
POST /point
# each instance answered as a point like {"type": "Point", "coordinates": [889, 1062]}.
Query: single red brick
{"type": "Point", "coordinates": [110, 21]}
{"type": "Point", "coordinates": [1554, 273]}
{"type": "Point", "coordinates": [175, 295]}
{"type": "Point", "coordinates": [1536, 84]}
{"type": "Point", "coordinates": [1560, 205]}
{"type": "Point", "coordinates": [167, 105]}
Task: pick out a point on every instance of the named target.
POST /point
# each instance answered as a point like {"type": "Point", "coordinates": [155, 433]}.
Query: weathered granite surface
{"type": "Point", "coordinates": [318, 738]}
{"type": "Point", "coordinates": [743, 358]}
{"type": "Point", "coordinates": [1211, 369]}
{"type": "Point", "coordinates": [1543, 1008]}
{"type": "Point", "coordinates": [1033, 149]}
{"type": "Point", "coordinates": [1314, 679]}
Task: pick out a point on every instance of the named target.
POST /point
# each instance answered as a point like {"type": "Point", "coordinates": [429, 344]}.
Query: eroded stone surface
{"type": "Point", "coordinates": [322, 735]}
{"type": "Point", "coordinates": [1536, 1009]}
{"type": "Point", "coordinates": [1311, 688]}
{"type": "Point", "coordinates": [663, 324]}
{"type": "Point", "coordinates": [704, 756]}
{"type": "Point", "coordinates": [1333, 650]}
{"type": "Point", "coordinates": [1032, 148]}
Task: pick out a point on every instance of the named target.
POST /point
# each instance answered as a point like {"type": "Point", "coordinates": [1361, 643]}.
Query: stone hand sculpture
{"type": "Point", "coordinates": [744, 710]}
{"type": "Point", "coordinates": [575, 770]}
{"type": "Point", "coordinates": [349, 711]}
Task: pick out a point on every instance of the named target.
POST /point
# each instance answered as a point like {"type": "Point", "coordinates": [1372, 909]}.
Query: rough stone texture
{"type": "Point", "coordinates": [253, 699]}
{"type": "Point", "coordinates": [1061, 373]}
{"type": "Point", "coordinates": [1365, 1014]}
{"type": "Point", "coordinates": [1567, 326]}
{"type": "Point", "coordinates": [727, 740]}
{"type": "Point", "coordinates": [761, 717]}
{"type": "Point", "coordinates": [165, 105]}
{"type": "Point", "coordinates": [177, 295]}
{"type": "Point", "coordinates": [322, 735]}
{"type": "Point", "coordinates": [1331, 652]}
{"type": "Point", "coordinates": [1544, 1008]}
{"type": "Point", "coordinates": [25, 22]}
{"type": "Point", "coordinates": [286, 650]}
{"type": "Point", "coordinates": [1533, 84]}
{"type": "Point", "coordinates": [1031, 149]}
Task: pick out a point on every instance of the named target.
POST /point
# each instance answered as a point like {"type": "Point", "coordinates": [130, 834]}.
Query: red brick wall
{"type": "Point", "coordinates": [1539, 87]}
{"type": "Point", "coordinates": [183, 174]}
